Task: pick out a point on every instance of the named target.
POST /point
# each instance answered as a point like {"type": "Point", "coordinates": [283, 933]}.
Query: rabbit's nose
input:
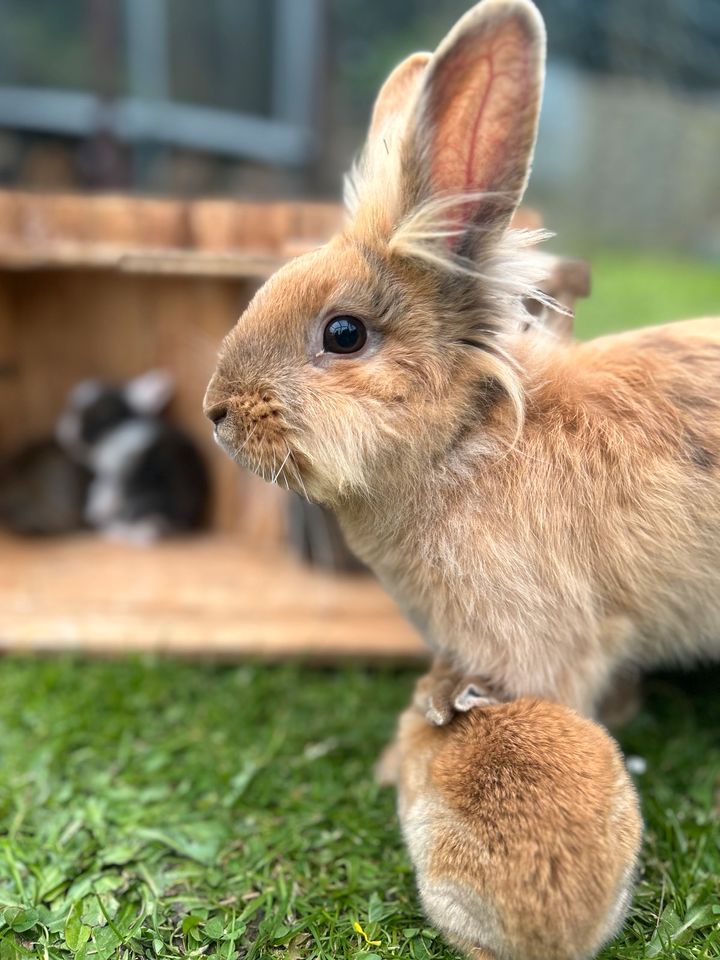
{"type": "Point", "coordinates": [217, 413]}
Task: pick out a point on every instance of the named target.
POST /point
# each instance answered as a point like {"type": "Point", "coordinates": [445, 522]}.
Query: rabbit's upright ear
{"type": "Point", "coordinates": [474, 125]}
{"type": "Point", "coordinates": [397, 95]}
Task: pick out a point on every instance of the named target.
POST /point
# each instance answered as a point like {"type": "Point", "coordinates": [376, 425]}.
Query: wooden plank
{"type": "Point", "coordinates": [203, 596]}
{"type": "Point", "coordinates": [11, 426]}
{"type": "Point", "coordinates": [70, 255]}
{"type": "Point", "coordinates": [199, 263]}
{"type": "Point", "coordinates": [221, 238]}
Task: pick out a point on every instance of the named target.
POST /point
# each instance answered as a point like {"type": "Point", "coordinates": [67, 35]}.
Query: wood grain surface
{"type": "Point", "coordinates": [206, 596]}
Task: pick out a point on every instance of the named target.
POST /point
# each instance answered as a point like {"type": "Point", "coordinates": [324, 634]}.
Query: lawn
{"type": "Point", "coordinates": [629, 290]}
{"type": "Point", "coordinates": [168, 809]}
{"type": "Point", "coordinates": [157, 808]}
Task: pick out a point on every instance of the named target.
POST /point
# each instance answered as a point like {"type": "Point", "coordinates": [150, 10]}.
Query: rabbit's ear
{"type": "Point", "coordinates": [472, 695]}
{"type": "Point", "coordinates": [150, 393]}
{"type": "Point", "coordinates": [475, 122]}
{"type": "Point", "coordinates": [397, 94]}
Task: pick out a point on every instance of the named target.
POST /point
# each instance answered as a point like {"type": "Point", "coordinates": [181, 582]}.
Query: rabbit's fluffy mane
{"type": "Point", "coordinates": [508, 267]}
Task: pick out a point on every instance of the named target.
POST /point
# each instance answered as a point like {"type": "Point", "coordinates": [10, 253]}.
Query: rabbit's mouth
{"type": "Point", "coordinates": [253, 432]}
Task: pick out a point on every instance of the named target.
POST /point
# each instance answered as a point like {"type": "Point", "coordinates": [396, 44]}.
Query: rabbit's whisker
{"type": "Point", "coordinates": [282, 465]}
{"type": "Point", "coordinates": [297, 475]}
{"type": "Point", "coordinates": [247, 439]}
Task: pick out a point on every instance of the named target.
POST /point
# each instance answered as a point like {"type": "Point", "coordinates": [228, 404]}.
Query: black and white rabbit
{"type": "Point", "coordinates": [149, 479]}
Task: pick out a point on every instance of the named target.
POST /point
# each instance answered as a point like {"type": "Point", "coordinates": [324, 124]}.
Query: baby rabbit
{"type": "Point", "coordinates": [42, 491]}
{"type": "Point", "coordinates": [546, 512]}
{"type": "Point", "coordinates": [523, 826]}
{"type": "Point", "coordinates": [148, 478]}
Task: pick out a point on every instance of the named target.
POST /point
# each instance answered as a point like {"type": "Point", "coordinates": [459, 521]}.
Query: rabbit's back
{"type": "Point", "coordinates": [526, 833]}
{"type": "Point", "coordinates": [594, 541]}
{"type": "Point", "coordinates": [656, 494]}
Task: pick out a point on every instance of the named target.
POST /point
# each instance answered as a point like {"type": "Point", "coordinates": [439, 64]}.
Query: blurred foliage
{"type": "Point", "coordinates": [221, 50]}
{"type": "Point", "coordinates": [631, 290]}
{"type": "Point", "coordinates": [46, 43]}
{"type": "Point", "coordinates": [661, 41]}
{"type": "Point", "coordinates": [220, 53]}
{"type": "Point", "coordinates": [369, 38]}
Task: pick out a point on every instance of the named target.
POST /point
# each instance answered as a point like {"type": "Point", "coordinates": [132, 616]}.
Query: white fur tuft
{"type": "Point", "coordinates": [511, 268]}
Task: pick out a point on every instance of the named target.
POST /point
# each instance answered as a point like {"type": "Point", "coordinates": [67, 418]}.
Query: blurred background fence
{"type": "Point", "coordinates": [271, 98]}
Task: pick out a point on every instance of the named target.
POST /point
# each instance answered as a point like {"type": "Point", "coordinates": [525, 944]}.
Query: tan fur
{"type": "Point", "coordinates": [546, 512]}
{"type": "Point", "coordinates": [523, 827]}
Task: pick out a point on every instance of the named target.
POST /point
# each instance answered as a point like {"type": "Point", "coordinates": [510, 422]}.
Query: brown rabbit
{"type": "Point", "coordinates": [523, 827]}
{"type": "Point", "coordinates": [546, 512]}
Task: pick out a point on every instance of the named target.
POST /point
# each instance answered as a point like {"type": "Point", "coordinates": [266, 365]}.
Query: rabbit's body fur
{"type": "Point", "coordinates": [593, 543]}
{"type": "Point", "coordinates": [523, 828]}
{"type": "Point", "coordinates": [546, 512]}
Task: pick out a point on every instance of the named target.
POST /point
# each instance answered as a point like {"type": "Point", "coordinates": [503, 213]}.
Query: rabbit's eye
{"type": "Point", "coordinates": [344, 335]}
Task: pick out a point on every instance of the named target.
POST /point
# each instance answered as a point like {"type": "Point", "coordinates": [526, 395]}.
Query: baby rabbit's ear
{"type": "Point", "coordinates": [397, 95]}
{"type": "Point", "coordinates": [472, 695]}
{"type": "Point", "coordinates": [150, 393]}
{"type": "Point", "coordinates": [474, 126]}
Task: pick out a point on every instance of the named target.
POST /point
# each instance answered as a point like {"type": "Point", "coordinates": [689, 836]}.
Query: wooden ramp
{"type": "Point", "coordinates": [205, 596]}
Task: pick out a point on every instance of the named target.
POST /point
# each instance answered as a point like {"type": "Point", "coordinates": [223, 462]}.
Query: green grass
{"type": "Point", "coordinates": [629, 290]}
{"type": "Point", "coordinates": [166, 809]}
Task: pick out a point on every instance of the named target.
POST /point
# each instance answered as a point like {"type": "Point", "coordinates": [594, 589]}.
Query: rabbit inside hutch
{"type": "Point", "coordinates": [117, 464]}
